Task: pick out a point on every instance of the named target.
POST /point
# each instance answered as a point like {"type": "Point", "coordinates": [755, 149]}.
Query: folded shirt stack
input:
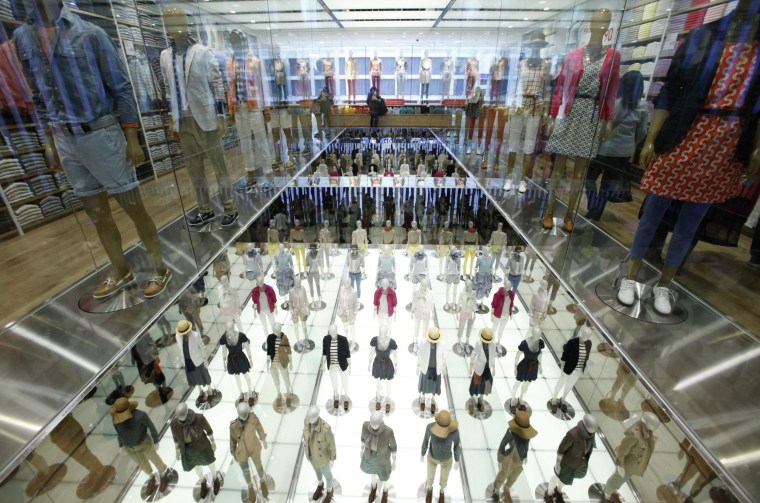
{"type": "Point", "coordinates": [714, 13]}
{"type": "Point", "coordinates": [23, 140]}
{"type": "Point", "coordinates": [61, 180]}
{"type": "Point", "coordinates": [10, 168]}
{"type": "Point", "coordinates": [5, 9]}
{"type": "Point", "coordinates": [661, 69]}
{"type": "Point", "coordinates": [17, 192]}
{"type": "Point", "coordinates": [51, 205]}
{"type": "Point", "coordinates": [69, 199]}
{"type": "Point", "coordinates": [175, 148]}
{"type": "Point", "coordinates": [43, 184]}
{"type": "Point", "coordinates": [28, 214]}
{"type": "Point", "coordinates": [33, 162]}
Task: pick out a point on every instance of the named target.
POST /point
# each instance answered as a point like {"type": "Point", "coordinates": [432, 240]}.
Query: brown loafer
{"type": "Point", "coordinates": [548, 222]}
{"type": "Point", "coordinates": [377, 406]}
{"type": "Point", "coordinates": [157, 284]}
{"type": "Point", "coordinates": [318, 493]}
{"type": "Point", "coordinates": [328, 496]}
{"type": "Point", "coordinates": [384, 499]}
{"type": "Point", "coordinates": [345, 405]}
{"type": "Point", "coordinates": [422, 405]}
{"type": "Point", "coordinates": [336, 404]}
{"type": "Point", "coordinates": [372, 494]}
{"type": "Point", "coordinates": [204, 489]}
{"type": "Point", "coordinates": [387, 408]}
{"type": "Point", "coordinates": [441, 498]}
{"type": "Point", "coordinates": [251, 494]}
{"type": "Point", "coordinates": [163, 484]}
{"type": "Point", "coordinates": [152, 485]}
{"type": "Point", "coordinates": [432, 408]}
{"type": "Point", "coordinates": [264, 488]}
{"type": "Point", "coordinates": [429, 496]}
{"type": "Point", "coordinates": [569, 224]}
{"type": "Point", "coordinates": [217, 484]}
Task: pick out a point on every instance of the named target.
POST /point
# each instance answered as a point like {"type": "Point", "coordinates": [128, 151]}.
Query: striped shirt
{"type": "Point", "coordinates": [582, 356]}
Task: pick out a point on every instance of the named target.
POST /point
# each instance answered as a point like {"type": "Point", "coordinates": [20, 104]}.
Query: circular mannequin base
{"type": "Point", "coordinates": [501, 351]}
{"type": "Point", "coordinates": [211, 226]}
{"type": "Point", "coordinates": [285, 306]}
{"type": "Point", "coordinates": [440, 277]}
{"type": "Point", "coordinates": [427, 413]}
{"type": "Point", "coordinates": [259, 496]}
{"type": "Point", "coordinates": [496, 279]}
{"type": "Point", "coordinates": [340, 409]}
{"type": "Point", "coordinates": [409, 307]}
{"type": "Point", "coordinates": [125, 298]}
{"type": "Point", "coordinates": [566, 414]}
{"type": "Point", "coordinates": [157, 495]}
{"type": "Point", "coordinates": [596, 493]}
{"type": "Point", "coordinates": [96, 482]}
{"type": "Point", "coordinates": [422, 492]}
{"type": "Point", "coordinates": [285, 404]}
{"type": "Point", "coordinates": [337, 490]}
{"type": "Point", "coordinates": [483, 411]}
{"type": "Point", "coordinates": [571, 308]}
{"type": "Point", "coordinates": [361, 306]}
{"type": "Point", "coordinates": [317, 305]}
{"type": "Point", "coordinates": [379, 494]}
{"type": "Point", "coordinates": [216, 398]}
{"type": "Point", "coordinates": [642, 308]}
{"type": "Point", "coordinates": [154, 398]}
{"type": "Point", "coordinates": [451, 308]}
{"type": "Point", "coordinates": [489, 492]}
{"type": "Point", "coordinates": [650, 405]}
{"type": "Point", "coordinates": [482, 309]}
{"type": "Point", "coordinates": [551, 310]}
{"type": "Point", "coordinates": [523, 405]}
{"type": "Point", "coordinates": [251, 401]}
{"type": "Point", "coordinates": [45, 481]}
{"type": "Point", "coordinates": [209, 486]}
{"type": "Point", "coordinates": [413, 348]}
{"type": "Point", "coordinates": [387, 406]}
{"type": "Point", "coordinates": [541, 492]}
{"type": "Point", "coordinates": [556, 230]}
{"type": "Point", "coordinates": [462, 349]}
{"type": "Point", "coordinates": [606, 350]}
{"type": "Point", "coordinates": [353, 347]}
{"type": "Point", "coordinates": [528, 279]}
{"type": "Point", "coordinates": [327, 276]}
{"type": "Point", "coordinates": [304, 346]}
{"type": "Point", "coordinates": [670, 494]}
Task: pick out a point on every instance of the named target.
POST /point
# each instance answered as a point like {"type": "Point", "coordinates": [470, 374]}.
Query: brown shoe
{"type": "Point", "coordinates": [429, 496]}
{"type": "Point", "coordinates": [553, 406]}
{"type": "Point", "coordinates": [432, 408]}
{"type": "Point", "coordinates": [372, 494]}
{"type": "Point", "coordinates": [163, 484]}
{"type": "Point", "coordinates": [387, 408]}
{"type": "Point", "coordinates": [336, 404]}
{"type": "Point", "coordinates": [495, 496]}
{"type": "Point", "coordinates": [614, 498]}
{"type": "Point", "coordinates": [242, 398]}
{"type": "Point", "coordinates": [152, 485]}
{"type": "Point", "coordinates": [548, 498]}
{"type": "Point", "coordinates": [563, 406]}
{"type": "Point", "coordinates": [422, 405]}
{"type": "Point", "coordinates": [318, 493]}
{"type": "Point", "coordinates": [112, 286]}
{"type": "Point", "coordinates": [345, 405]}
{"type": "Point", "coordinates": [287, 400]}
{"type": "Point", "coordinates": [217, 484]}
{"type": "Point", "coordinates": [506, 497]}
{"type": "Point", "coordinates": [264, 488]}
{"type": "Point", "coordinates": [328, 496]}
{"type": "Point", "coordinates": [384, 499]}
{"type": "Point", "coordinates": [157, 284]}
{"type": "Point", "coordinates": [251, 494]}
{"type": "Point", "coordinates": [377, 405]}
{"type": "Point", "coordinates": [252, 400]}
{"type": "Point", "coordinates": [569, 224]}
{"type": "Point", "coordinates": [204, 489]}
{"type": "Point", "coordinates": [548, 222]}
{"type": "Point", "coordinates": [441, 498]}
{"type": "Point", "coordinates": [558, 496]}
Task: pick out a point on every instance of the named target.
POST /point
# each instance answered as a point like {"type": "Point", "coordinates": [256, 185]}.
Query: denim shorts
{"type": "Point", "coordinates": [96, 161]}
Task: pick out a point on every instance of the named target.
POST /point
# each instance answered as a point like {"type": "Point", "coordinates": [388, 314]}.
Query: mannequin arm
{"type": "Point", "coordinates": [323, 363]}
{"type": "Point", "coordinates": [557, 466]}
{"type": "Point", "coordinates": [247, 347]}
{"type": "Point", "coordinates": [224, 357]}
{"type": "Point", "coordinates": [348, 369]}
{"type": "Point", "coordinates": [540, 368]}
{"type": "Point", "coordinates": [135, 154]}
{"type": "Point", "coordinates": [517, 360]}
{"type": "Point", "coordinates": [655, 126]}
{"type": "Point", "coordinates": [177, 452]}
{"type": "Point", "coordinates": [394, 358]}
{"type": "Point", "coordinates": [371, 359]}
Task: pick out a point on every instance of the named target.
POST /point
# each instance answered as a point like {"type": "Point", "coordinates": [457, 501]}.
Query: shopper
{"type": "Point", "coordinates": [629, 126]}
{"type": "Point", "coordinates": [376, 106]}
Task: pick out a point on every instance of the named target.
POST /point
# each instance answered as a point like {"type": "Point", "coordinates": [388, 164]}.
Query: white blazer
{"type": "Point", "coordinates": [423, 356]}
{"type": "Point", "coordinates": [203, 85]}
{"type": "Point", "coordinates": [478, 360]}
{"type": "Point", "coordinates": [422, 307]}
{"type": "Point", "coordinates": [196, 347]}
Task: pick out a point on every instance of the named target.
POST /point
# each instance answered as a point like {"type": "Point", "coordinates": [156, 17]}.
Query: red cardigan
{"type": "Point", "coordinates": [391, 300]}
{"type": "Point", "coordinates": [269, 293]}
{"type": "Point", "coordinates": [498, 302]}
{"type": "Point", "coordinates": [570, 75]}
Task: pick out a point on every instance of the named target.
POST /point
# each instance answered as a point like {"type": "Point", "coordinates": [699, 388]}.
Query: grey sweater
{"type": "Point", "coordinates": [132, 431]}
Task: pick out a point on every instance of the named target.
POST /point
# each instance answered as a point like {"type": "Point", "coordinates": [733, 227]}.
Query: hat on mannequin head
{"type": "Point", "coordinates": [444, 424]}
{"type": "Point", "coordinates": [520, 425]}
{"type": "Point", "coordinates": [376, 419]}
{"type": "Point", "coordinates": [122, 410]}
{"type": "Point", "coordinates": [486, 335]}
{"type": "Point", "coordinates": [184, 327]}
{"type": "Point", "coordinates": [434, 335]}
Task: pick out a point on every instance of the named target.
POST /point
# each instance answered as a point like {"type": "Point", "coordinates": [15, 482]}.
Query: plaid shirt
{"type": "Point", "coordinates": [243, 77]}
{"type": "Point", "coordinates": [531, 87]}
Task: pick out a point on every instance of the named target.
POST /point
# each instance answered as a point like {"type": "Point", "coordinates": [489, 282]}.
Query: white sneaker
{"type": "Point", "coordinates": [662, 300]}
{"type": "Point", "coordinates": [508, 184]}
{"type": "Point", "coordinates": [480, 151]}
{"type": "Point", "coordinates": [523, 187]}
{"type": "Point", "coordinates": [627, 293]}
{"type": "Point", "coordinates": [469, 149]}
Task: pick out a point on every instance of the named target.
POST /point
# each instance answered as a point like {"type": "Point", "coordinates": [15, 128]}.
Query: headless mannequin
{"type": "Point", "coordinates": [338, 377]}
{"type": "Point", "coordinates": [325, 243]}
{"type": "Point", "coordinates": [232, 339]}
{"type": "Point", "coordinates": [451, 276]}
{"type": "Point", "coordinates": [422, 308]}
{"type": "Point", "coordinates": [383, 261]}
{"type": "Point", "coordinates": [466, 314]}
{"type": "Point", "coordinates": [376, 70]}
{"type": "Point", "coordinates": [314, 273]}
{"type": "Point", "coordinates": [181, 413]}
{"type": "Point", "coordinates": [382, 315]}
{"type": "Point", "coordinates": [515, 268]}
{"type": "Point", "coordinates": [426, 67]}
{"type": "Point", "coordinates": [275, 368]}
{"type": "Point", "coordinates": [499, 323]}
{"type": "Point", "coordinates": [600, 22]}
{"type": "Point", "coordinates": [267, 316]}
{"type": "Point", "coordinates": [273, 238]}
{"type": "Point", "coordinates": [533, 344]}
{"type": "Point", "coordinates": [280, 78]}
{"type": "Point", "coordinates": [299, 309]}
{"type": "Point", "coordinates": [351, 77]}
{"type": "Point", "coordinates": [566, 382]}
{"type": "Point", "coordinates": [539, 304]}
{"type": "Point", "coordinates": [348, 305]}
{"type": "Point", "coordinates": [555, 486]}
{"type": "Point", "coordinates": [648, 424]}
{"type": "Point", "coordinates": [229, 304]}
{"type": "Point", "coordinates": [283, 264]}
{"type": "Point", "coordinates": [413, 240]}
{"type": "Point", "coordinates": [383, 386]}
{"type": "Point", "coordinates": [498, 242]}
{"type": "Point", "coordinates": [377, 485]}
{"type": "Point", "coordinates": [400, 74]}
{"type": "Point", "coordinates": [445, 240]}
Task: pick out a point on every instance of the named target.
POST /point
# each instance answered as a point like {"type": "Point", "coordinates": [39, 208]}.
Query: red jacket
{"type": "Point", "coordinates": [271, 297]}
{"type": "Point", "coordinates": [391, 300]}
{"type": "Point", "coordinates": [570, 75]}
{"type": "Point", "coordinates": [498, 302]}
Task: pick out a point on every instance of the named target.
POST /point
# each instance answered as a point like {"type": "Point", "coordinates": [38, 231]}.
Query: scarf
{"type": "Point", "coordinates": [587, 437]}
{"type": "Point", "coordinates": [388, 229]}
{"type": "Point", "coordinates": [297, 228]}
{"type": "Point", "coordinates": [373, 437]}
{"type": "Point", "coordinates": [472, 230]}
{"type": "Point", "coordinates": [189, 431]}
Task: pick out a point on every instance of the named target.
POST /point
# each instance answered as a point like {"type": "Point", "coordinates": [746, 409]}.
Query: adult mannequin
{"type": "Point", "coordinates": [303, 67]}
{"type": "Point", "coordinates": [279, 362]}
{"type": "Point", "coordinates": [319, 449]}
{"type": "Point", "coordinates": [236, 355]}
{"type": "Point", "coordinates": [222, 266]}
{"type": "Point", "coordinates": [348, 306]}
{"type": "Point", "coordinates": [388, 233]}
{"type": "Point", "coordinates": [199, 451]}
{"type": "Point", "coordinates": [539, 304]}
{"type": "Point", "coordinates": [375, 71]}
{"type": "Point", "coordinates": [451, 277]}
{"type": "Point", "coordinates": [445, 240]}
{"type": "Point", "coordinates": [356, 268]}
{"type": "Point", "coordinates": [500, 316]}
{"type": "Point", "coordinates": [529, 110]}
{"type": "Point", "coordinates": [314, 271]}
{"type": "Point", "coordinates": [359, 236]}
{"type": "Point", "coordinates": [422, 309]}
{"type": "Point", "coordinates": [298, 245]}
{"type": "Point", "coordinates": [473, 111]}
{"type": "Point", "coordinates": [483, 277]}
{"type": "Point", "coordinates": [527, 366]}
{"type": "Point", "coordinates": [378, 454]}
{"type": "Point", "coordinates": [280, 69]}
{"type": "Point", "coordinates": [299, 309]}
{"type": "Point", "coordinates": [431, 367]}
{"type": "Point", "coordinates": [137, 437]}
{"type": "Point", "coordinates": [247, 437]}
{"type": "Point", "coordinates": [447, 70]}
{"type": "Point", "coordinates": [81, 154]}
{"type": "Point", "coordinates": [498, 70]}
{"type": "Point", "coordinates": [471, 74]}
{"type": "Point", "coordinates": [254, 266]}
{"type": "Point", "coordinates": [273, 238]}
{"type": "Point", "coordinates": [351, 77]}
{"type": "Point", "coordinates": [194, 355]}
{"type": "Point", "coordinates": [385, 304]}
{"type": "Point", "coordinates": [229, 304]}
{"type": "Point", "coordinates": [265, 303]}
{"type": "Point", "coordinates": [482, 368]}
{"type": "Point", "coordinates": [443, 448]}
{"type": "Point", "coordinates": [386, 267]}
{"type": "Point", "coordinates": [496, 117]}
{"type": "Point", "coordinates": [426, 75]}
{"type": "Point", "coordinates": [413, 240]}
{"type": "Point", "coordinates": [328, 73]}
{"type": "Point", "coordinates": [336, 360]}
{"type": "Point", "coordinates": [284, 124]}
{"type": "Point", "coordinates": [512, 454]}
{"type": "Point", "coordinates": [466, 314]}
{"type": "Point", "coordinates": [470, 242]}
{"type": "Point", "coordinates": [383, 363]}
{"type": "Point", "coordinates": [325, 244]}
{"type": "Point", "coordinates": [418, 268]}
{"type": "Point", "coordinates": [283, 270]}
{"type": "Point", "coordinates": [575, 355]}
{"type": "Point", "coordinates": [516, 267]}
{"type": "Point", "coordinates": [401, 67]}
{"type": "Point", "coordinates": [246, 86]}
{"type": "Point", "coordinates": [573, 455]}
{"type": "Point", "coordinates": [199, 124]}
{"type": "Point", "coordinates": [497, 243]}
{"type": "Point", "coordinates": [586, 105]}
{"type": "Point", "coordinates": [633, 454]}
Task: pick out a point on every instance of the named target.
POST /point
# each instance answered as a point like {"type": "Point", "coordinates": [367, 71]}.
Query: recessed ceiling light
{"type": "Point", "coordinates": [236, 5]}
{"type": "Point", "coordinates": [436, 33]}
{"type": "Point", "coordinates": [546, 8]}
{"type": "Point", "coordinates": [510, 26]}
{"type": "Point", "coordinates": [420, 33]}
{"type": "Point", "coordinates": [269, 28]}
{"type": "Point", "coordinates": [232, 12]}
{"type": "Point", "coordinates": [253, 20]}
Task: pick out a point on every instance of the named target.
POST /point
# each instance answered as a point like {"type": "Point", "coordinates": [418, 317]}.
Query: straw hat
{"type": "Point", "coordinates": [520, 425]}
{"type": "Point", "coordinates": [486, 335]}
{"type": "Point", "coordinates": [122, 410]}
{"type": "Point", "coordinates": [434, 335]}
{"type": "Point", "coordinates": [444, 425]}
{"type": "Point", "coordinates": [184, 327]}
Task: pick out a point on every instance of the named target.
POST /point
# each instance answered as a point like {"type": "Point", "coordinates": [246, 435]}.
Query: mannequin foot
{"type": "Point", "coordinates": [495, 495]}
{"type": "Point", "coordinates": [287, 398]}
{"type": "Point", "coordinates": [548, 498]}
{"type": "Point", "coordinates": [318, 493]}
{"type": "Point", "coordinates": [513, 407]}
{"type": "Point", "coordinates": [328, 496]}
{"type": "Point", "coordinates": [264, 488]}
{"type": "Point", "coordinates": [253, 398]}
{"type": "Point", "coordinates": [429, 495]}
{"type": "Point", "coordinates": [441, 497]}
{"type": "Point", "coordinates": [387, 408]}
{"type": "Point", "coordinates": [336, 404]}
{"type": "Point", "coordinates": [204, 489]}
{"type": "Point", "coordinates": [384, 499]}
{"type": "Point", "coordinates": [377, 404]}
{"type": "Point", "coordinates": [614, 498]}
{"type": "Point", "coordinates": [242, 398]}
{"type": "Point", "coordinates": [508, 184]}
{"type": "Point", "coordinates": [569, 224]}
{"type": "Point", "coordinates": [372, 494]}
{"type": "Point", "coordinates": [217, 484]}
{"type": "Point", "coordinates": [548, 222]}
{"type": "Point", "coordinates": [345, 405]}
{"type": "Point", "coordinates": [558, 498]}
{"type": "Point", "coordinates": [627, 293]}
{"type": "Point", "coordinates": [152, 484]}
{"type": "Point", "coordinates": [554, 406]}
{"type": "Point", "coordinates": [251, 494]}
{"type": "Point", "coordinates": [111, 286]}
{"type": "Point", "coordinates": [506, 497]}
{"type": "Point", "coordinates": [202, 397]}
{"type": "Point", "coordinates": [422, 405]}
{"type": "Point", "coordinates": [662, 300]}
{"type": "Point", "coordinates": [563, 405]}
{"type": "Point", "coordinates": [432, 408]}
{"type": "Point", "coordinates": [523, 187]}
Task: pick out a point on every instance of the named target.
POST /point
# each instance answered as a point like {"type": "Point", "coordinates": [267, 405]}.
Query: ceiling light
{"type": "Point", "coordinates": [436, 33]}
{"type": "Point", "coordinates": [236, 5]}
{"type": "Point", "coordinates": [525, 19]}
{"type": "Point", "coordinates": [420, 33]}
{"type": "Point", "coordinates": [253, 20]}
{"type": "Point", "coordinates": [269, 27]}
{"type": "Point", "coordinates": [510, 26]}
{"type": "Point", "coordinates": [546, 8]}
{"type": "Point", "coordinates": [232, 12]}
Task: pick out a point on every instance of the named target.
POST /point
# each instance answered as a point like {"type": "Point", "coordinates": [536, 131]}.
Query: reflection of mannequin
{"type": "Point", "coordinates": [539, 304]}
{"type": "Point", "coordinates": [498, 70]}
{"type": "Point", "coordinates": [273, 238]}
{"type": "Point", "coordinates": [515, 268]}
{"type": "Point", "coordinates": [229, 304]}
{"type": "Point", "coordinates": [470, 242]}
{"type": "Point", "coordinates": [383, 364]}
{"type": "Point", "coordinates": [418, 268]}
{"type": "Point", "coordinates": [247, 437]}
{"type": "Point", "coordinates": [573, 455]}
{"type": "Point", "coordinates": [199, 124]}
{"type": "Point", "coordinates": [634, 452]}
{"type": "Point", "coordinates": [575, 355]}
{"type": "Point", "coordinates": [431, 367]}
{"type": "Point", "coordinates": [445, 240]}
{"type": "Point", "coordinates": [348, 306]}
{"type": "Point", "coordinates": [401, 67]}
{"type": "Point", "coordinates": [585, 92]}
{"type": "Point", "coordinates": [498, 242]}
{"type": "Point", "coordinates": [105, 148]}
{"type": "Point", "coordinates": [319, 449]}
{"type": "Point", "coordinates": [386, 267]}
{"type": "Point", "coordinates": [513, 454]}
{"type": "Point", "coordinates": [303, 67]}
{"type": "Point", "coordinates": [325, 242]}
{"type": "Point", "coordinates": [359, 236]}
{"type": "Point", "coordinates": [351, 77]}
{"type": "Point", "coordinates": [195, 446]}
{"type": "Point", "coordinates": [451, 276]}
{"type": "Point", "coordinates": [254, 266]}
{"type": "Point", "coordinates": [194, 354]}
{"type": "Point", "coordinates": [299, 307]}
{"type": "Point", "coordinates": [473, 110]}
{"type": "Point", "coordinates": [313, 271]}
{"type": "Point", "coordinates": [471, 73]}
{"type": "Point", "coordinates": [385, 304]}
{"type": "Point", "coordinates": [375, 71]}
{"type": "Point", "coordinates": [422, 310]}
{"type": "Point", "coordinates": [466, 314]}
{"type": "Point", "coordinates": [280, 76]}
{"type": "Point", "coordinates": [426, 73]}
{"type": "Point", "coordinates": [499, 316]}
{"type": "Point", "coordinates": [447, 70]}
{"type": "Point", "coordinates": [336, 359]}
{"type": "Point", "coordinates": [297, 242]}
{"type": "Point", "coordinates": [328, 73]}
{"type": "Point", "coordinates": [265, 303]}
{"type": "Point", "coordinates": [235, 347]}
{"type": "Point", "coordinates": [378, 453]}
{"type": "Point", "coordinates": [413, 240]}
{"type": "Point", "coordinates": [283, 270]}
{"type": "Point", "coordinates": [389, 234]}
{"type": "Point", "coordinates": [279, 362]}
{"type": "Point", "coordinates": [356, 268]}
{"type": "Point", "coordinates": [482, 367]}
{"type": "Point", "coordinates": [527, 365]}
{"type": "Point", "coordinates": [483, 275]}
{"type": "Point", "coordinates": [695, 466]}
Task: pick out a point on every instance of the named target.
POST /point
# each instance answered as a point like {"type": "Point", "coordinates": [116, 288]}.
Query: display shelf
{"type": "Point", "coordinates": [38, 197]}
{"type": "Point", "coordinates": [644, 21]}
{"type": "Point", "coordinates": [694, 8]}
{"type": "Point", "coordinates": [10, 20]}
{"type": "Point", "coordinates": [91, 14]}
{"type": "Point", "coordinates": [153, 128]}
{"type": "Point", "coordinates": [39, 223]}
{"type": "Point", "coordinates": [154, 111]}
{"type": "Point", "coordinates": [637, 60]}
{"type": "Point", "coordinates": [30, 150]}
{"type": "Point", "coordinates": [653, 38]}
{"type": "Point", "coordinates": [23, 125]}
{"type": "Point", "coordinates": [148, 11]}
{"type": "Point", "coordinates": [27, 176]}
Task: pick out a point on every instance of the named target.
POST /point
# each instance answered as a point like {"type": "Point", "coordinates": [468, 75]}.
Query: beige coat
{"type": "Point", "coordinates": [319, 444]}
{"type": "Point", "coordinates": [246, 441]}
{"type": "Point", "coordinates": [636, 449]}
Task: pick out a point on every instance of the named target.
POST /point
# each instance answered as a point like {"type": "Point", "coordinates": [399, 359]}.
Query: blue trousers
{"type": "Point", "coordinates": [356, 282]}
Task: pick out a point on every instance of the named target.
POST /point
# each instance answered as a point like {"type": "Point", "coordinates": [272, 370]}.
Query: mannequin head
{"type": "Point", "coordinates": [243, 410]}
{"type": "Point", "coordinates": [487, 251]}
{"type": "Point", "coordinates": [516, 252]}
{"type": "Point", "coordinates": [590, 423]}
{"type": "Point", "coordinates": [313, 250]}
{"type": "Point", "coordinates": [585, 333]}
{"type": "Point", "coordinates": [230, 327]}
{"type": "Point", "coordinates": [650, 420]}
{"type": "Point", "coordinates": [333, 331]}
{"type": "Point", "coordinates": [600, 23]}
{"type": "Point", "coordinates": [400, 54]}
{"type": "Point", "coordinates": [271, 224]}
{"type": "Point", "coordinates": [535, 332]}
{"type": "Point", "coordinates": [282, 248]}
{"type": "Point", "coordinates": [277, 328]}
{"type": "Point", "coordinates": [499, 226]}
{"type": "Point", "coordinates": [384, 284]}
{"type": "Point", "coordinates": [543, 285]}
{"type": "Point", "coordinates": [387, 223]}
{"type": "Point", "coordinates": [260, 282]}
{"type": "Point", "coordinates": [350, 54]}
{"type": "Point", "coordinates": [238, 42]}
{"type": "Point", "coordinates": [354, 251]}
{"type": "Point", "coordinates": [296, 223]}
{"type": "Point", "coordinates": [325, 223]}
{"type": "Point", "coordinates": [414, 225]}
{"type": "Point", "coordinates": [376, 420]}
{"type": "Point", "coordinates": [175, 21]}
{"type": "Point", "coordinates": [358, 224]}
{"type": "Point", "coordinates": [446, 225]}
{"type": "Point", "coordinates": [374, 54]}
{"type": "Point", "coordinates": [181, 411]}
{"type": "Point", "coordinates": [471, 224]}
{"type": "Point", "coordinates": [312, 415]}
{"type": "Point", "coordinates": [297, 281]}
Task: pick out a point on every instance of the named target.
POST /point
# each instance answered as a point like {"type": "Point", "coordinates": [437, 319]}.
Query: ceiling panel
{"type": "Point", "coordinates": [387, 15]}
{"type": "Point", "coordinates": [386, 4]}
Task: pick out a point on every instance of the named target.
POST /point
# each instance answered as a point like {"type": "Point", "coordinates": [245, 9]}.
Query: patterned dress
{"type": "Point", "coordinates": [703, 167]}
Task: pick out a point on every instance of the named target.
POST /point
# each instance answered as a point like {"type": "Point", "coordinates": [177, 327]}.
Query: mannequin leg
{"type": "Point", "coordinates": [470, 323]}
{"type": "Point", "coordinates": [576, 187]}
{"type": "Point", "coordinates": [237, 321]}
{"type": "Point", "coordinates": [497, 327]}
{"type": "Point", "coordinates": [560, 385]}
{"type": "Point", "coordinates": [496, 261]}
{"type": "Point", "coordinates": [335, 381]}
{"type": "Point", "coordinates": [132, 204]}
{"type": "Point", "coordinates": [559, 168]}
{"type": "Point", "coordinates": [199, 472]}
{"type": "Point", "coordinates": [274, 371]}
{"type": "Point", "coordinates": [524, 390]}
{"type": "Point", "coordinates": [570, 382]}
{"type": "Point", "coordinates": [378, 390]}
{"type": "Point", "coordinates": [481, 127]}
{"type": "Point", "coordinates": [239, 384]}
{"type": "Point", "coordinates": [286, 378]}
{"type": "Point", "coordinates": [615, 482]}
{"type": "Point", "coordinates": [555, 483]}
{"type": "Point", "coordinates": [448, 293]}
{"type": "Point", "coordinates": [425, 326]}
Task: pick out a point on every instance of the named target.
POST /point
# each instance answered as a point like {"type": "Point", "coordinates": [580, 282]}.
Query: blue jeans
{"type": "Point", "coordinates": [515, 280]}
{"type": "Point", "coordinates": [689, 218]}
{"type": "Point", "coordinates": [356, 282]}
{"type": "Point", "coordinates": [325, 474]}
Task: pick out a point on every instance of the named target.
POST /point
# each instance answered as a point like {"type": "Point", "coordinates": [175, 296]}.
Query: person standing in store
{"type": "Point", "coordinates": [376, 105]}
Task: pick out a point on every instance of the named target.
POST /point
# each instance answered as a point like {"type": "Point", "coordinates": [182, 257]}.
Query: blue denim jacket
{"type": "Point", "coordinates": [85, 79]}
